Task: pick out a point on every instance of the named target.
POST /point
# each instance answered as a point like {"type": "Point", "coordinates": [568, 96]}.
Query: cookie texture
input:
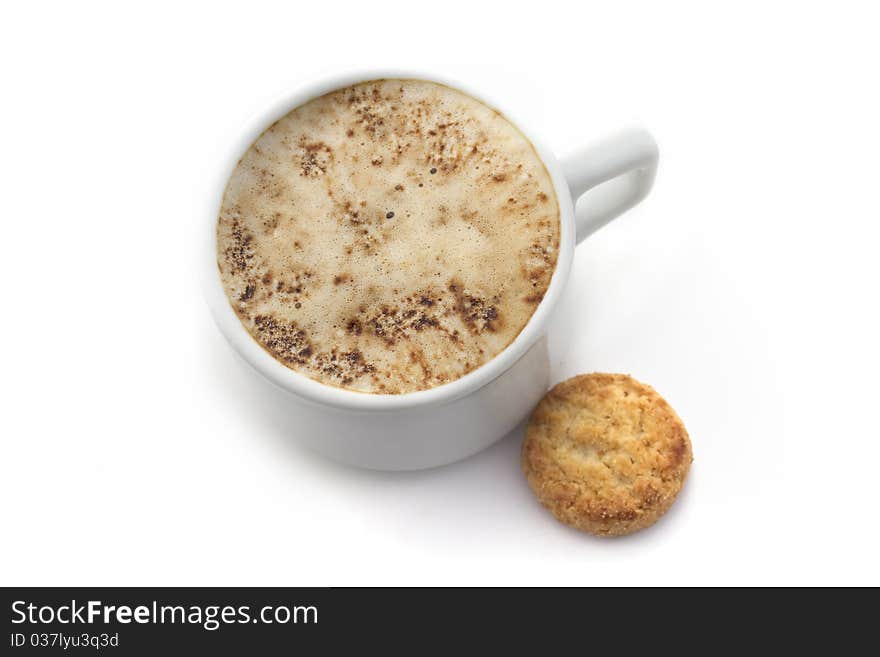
{"type": "Point", "coordinates": [606, 454]}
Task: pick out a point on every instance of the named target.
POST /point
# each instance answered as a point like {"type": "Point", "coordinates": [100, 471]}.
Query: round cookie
{"type": "Point", "coordinates": [605, 454]}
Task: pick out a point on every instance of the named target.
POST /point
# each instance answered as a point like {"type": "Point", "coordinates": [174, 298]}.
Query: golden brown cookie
{"type": "Point", "coordinates": [605, 454]}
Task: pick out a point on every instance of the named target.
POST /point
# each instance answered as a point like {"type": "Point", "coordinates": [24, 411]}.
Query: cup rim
{"type": "Point", "coordinates": [341, 398]}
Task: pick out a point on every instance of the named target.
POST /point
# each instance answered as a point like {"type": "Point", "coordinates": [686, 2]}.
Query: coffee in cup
{"type": "Point", "coordinates": [388, 237]}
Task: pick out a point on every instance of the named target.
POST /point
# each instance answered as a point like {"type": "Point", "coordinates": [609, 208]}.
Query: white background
{"type": "Point", "coordinates": [135, 446]}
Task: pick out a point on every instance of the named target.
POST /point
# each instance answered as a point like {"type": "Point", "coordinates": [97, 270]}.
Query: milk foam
{"type": "Point", "coordinates": [388, 237]}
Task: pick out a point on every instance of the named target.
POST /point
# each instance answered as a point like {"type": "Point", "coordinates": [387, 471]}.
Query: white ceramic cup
{"type": "Point", "coordinates": [449, 422]}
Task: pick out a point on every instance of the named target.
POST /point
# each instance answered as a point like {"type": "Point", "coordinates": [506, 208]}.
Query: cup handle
{"type": "Point", "coordinates": [618, 172]}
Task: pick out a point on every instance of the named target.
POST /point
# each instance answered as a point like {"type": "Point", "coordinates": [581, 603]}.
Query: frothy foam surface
{"type": "Point", "coordinates": [388, 237]}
